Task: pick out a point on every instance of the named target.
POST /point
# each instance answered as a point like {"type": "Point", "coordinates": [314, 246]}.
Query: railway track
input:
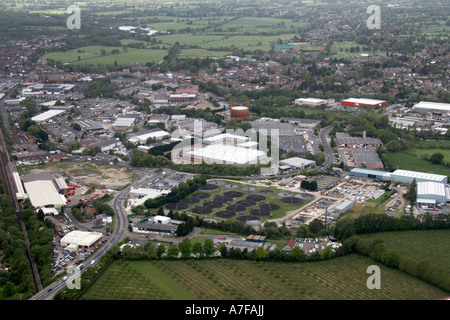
{"type": "Point", "coordinates": [11, 191]}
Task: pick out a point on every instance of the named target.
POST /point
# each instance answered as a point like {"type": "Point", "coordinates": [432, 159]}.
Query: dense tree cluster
{"type": "Point", "coordinates": [347, 226]}
{"type": "Point", "coordinates": [309, 185]}
{"type": "Point", "coordinates": [40, 232]}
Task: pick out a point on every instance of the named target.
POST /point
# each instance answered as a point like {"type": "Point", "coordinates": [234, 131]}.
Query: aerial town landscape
{"type": "Point", "coordinates": [225, 150]}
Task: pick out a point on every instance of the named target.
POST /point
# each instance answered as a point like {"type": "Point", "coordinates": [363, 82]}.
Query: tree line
{"type": "Point", "coordinates": [347, 226]}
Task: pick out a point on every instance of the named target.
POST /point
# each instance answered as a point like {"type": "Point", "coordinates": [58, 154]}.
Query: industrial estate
{"type": "Point", "coordinates": [232, 151]}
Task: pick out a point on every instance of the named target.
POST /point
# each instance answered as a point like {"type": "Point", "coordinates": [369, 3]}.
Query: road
{"type": "Point", "coordinates": [326, 146]}
{"type": "Point", "coordinates": [120, 231]}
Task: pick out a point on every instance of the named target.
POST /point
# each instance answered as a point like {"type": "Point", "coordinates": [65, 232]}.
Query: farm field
{"type": "Point", "coordinates": [342, 49]}
{"type": "Point", "coordinates": [260, 24]}
{"type": "Point", "coordinates": [407, 161]}
{"type": "Point", "coordinates": [92, 55]}
{"type": "Point", "coordinates": [342, 278]}
{"type": "Point", "coordinates": [418, 244]}
{"type": "Point", "coordinates": [429, 152]}
{"type": "Point", "coordinates": [199, 53]}
{"type": "Point", "coordinates": [246, 42]}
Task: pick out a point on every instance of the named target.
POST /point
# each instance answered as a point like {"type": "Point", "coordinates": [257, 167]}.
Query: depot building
{"type": "Point", "coordinates": [80, 240]}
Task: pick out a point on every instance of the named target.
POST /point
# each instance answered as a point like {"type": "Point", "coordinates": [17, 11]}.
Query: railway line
{"type": "Point", "coordinates": [11, 191]}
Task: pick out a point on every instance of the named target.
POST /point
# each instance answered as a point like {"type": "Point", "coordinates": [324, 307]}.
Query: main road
{"type": "Point", "coordinates": [326, 146]}
{"type": "Point", "coordinates": [120, 229]}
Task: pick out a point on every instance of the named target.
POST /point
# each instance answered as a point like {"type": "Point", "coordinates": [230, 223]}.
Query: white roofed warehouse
{"type": "Point", "coordinates": [409, 176]}
{"type": "Point", "coordinates": [432, 107]}
{"type": "Point", "coordinates": [43, 194]}
{"type": "Point", "coordinates": [435, 191]}
{"type": "Point", "coordinates": [225, 154]}
{"type": "Point", "coordinates": [81, 239]}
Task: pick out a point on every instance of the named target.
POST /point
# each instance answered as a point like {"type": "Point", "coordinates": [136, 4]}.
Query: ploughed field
{"type": "Point", "coordinates": [342, 278]}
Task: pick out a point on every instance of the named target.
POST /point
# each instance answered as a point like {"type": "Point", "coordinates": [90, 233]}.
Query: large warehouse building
{"type": "Point", "coordinates": [356, 102]}
{"type": "Point", "coordinates": [310, 102]}
{"type": "Point", "coordinates": [409, 176]}
{"type": "Point", "coordinates": [47, 115]}
{"type": "Point", "coordinates": [80, 240]}
{"type": "Point", "coordinates": [432, 107]}
{"type": "Point", "coordinates": [432, 193]}
{"type": "Point", "coordinates": [368, 173]}
{"type": "Point", "coordinates": [226, 154]}
{"type": "Point", "coordinates": [297, 163]}
{"type": "Point", "coordinates": [156, 134]}
{"type": "Point", "coordinates": [43, 194]}
{"type": "Point", "coordinates": [399, 175]}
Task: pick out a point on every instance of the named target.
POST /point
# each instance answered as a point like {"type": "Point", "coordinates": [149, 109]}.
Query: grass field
{"type": "Point", "coordinates": [418, 245]}
{"type": "Point", "coordinates": [261, 24]}
{"type": "Point", "coordinates": [405, 161]}
{"type": "Point", "coordinates": [342, 278]}
{"type": "Point", "coordinates": [342, 49]}
{"type": "Point", "coordinates": [92, 55]}
{"type": "Point", "coordinates": [200, 53]}
{"type": "Point", "coordinates": [429, 152]}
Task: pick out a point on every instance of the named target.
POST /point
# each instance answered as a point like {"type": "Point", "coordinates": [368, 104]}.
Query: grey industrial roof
{"type": "Point", "coordinates": [367, 156]}
{"type": "Point", "coordinates": [344, 138]}
{"type": "Point", "coordinates": [283, 128]}
{"type": "Point", "coordinates": [292, 142]}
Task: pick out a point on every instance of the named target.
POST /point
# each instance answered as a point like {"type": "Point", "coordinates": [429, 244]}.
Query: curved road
{"type": "Point", "coordinates": [120, 227]}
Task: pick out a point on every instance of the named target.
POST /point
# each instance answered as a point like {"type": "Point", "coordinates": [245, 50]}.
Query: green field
{"type": "Point", "coordinates": [342, 278]}
{"type": "Point", "coordinates": [405, 161]}
{"type": "Point", "coordinates": [246, 42]}
{"type": "Point", "coordinates": [92, 55]}
{"type": "Point", "coordinates": [342, 49]}
{"type": "Point", "coordinates": [418, 245]}
{"type": "Point", "coordinates": [200, 53]}
{"type": "Point", "coordinates": [258, 25]}
{"type": "Point", "coordinates": [429, 152]}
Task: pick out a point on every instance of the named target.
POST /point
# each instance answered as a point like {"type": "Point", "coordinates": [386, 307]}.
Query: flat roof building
{"type": "Point", "coordinates": [226, 138]}
{"type": "Point", "coordinates": [81, 239]}
{"type": "Point", "coordinates": [432, 107]}
{"type": "Point", "coordinates": [292, 143]}
{"type": "Point", "coordinates": [368, 158]}
{"type": "Point", "coordinates": [433, 190]}
{"type": "Point", "coordinates": [157, 134]}
{"type": "Point", "coordinates": [298, 163]}
{"type": "Point", "coordinates": [124, 122]}
{"type": "Point", "coordinates": [310, 102]}
{"type": "Point", "coordinates": [43, 193]}
{"type": "Point", "coordinates": [409, 176]}
{"type": "Point", "coordinates": [358, 102]}
{"type": "Point", "coordinates": [344, 140]}
{"type": "Point", "coordinates": [368, 173]}
{"type": "Point", "coordinates": [226, 154]}
{"type": "Point", "coordinates": [399, 175]}
{"type": "Point", "coordinates": [47, 115]}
